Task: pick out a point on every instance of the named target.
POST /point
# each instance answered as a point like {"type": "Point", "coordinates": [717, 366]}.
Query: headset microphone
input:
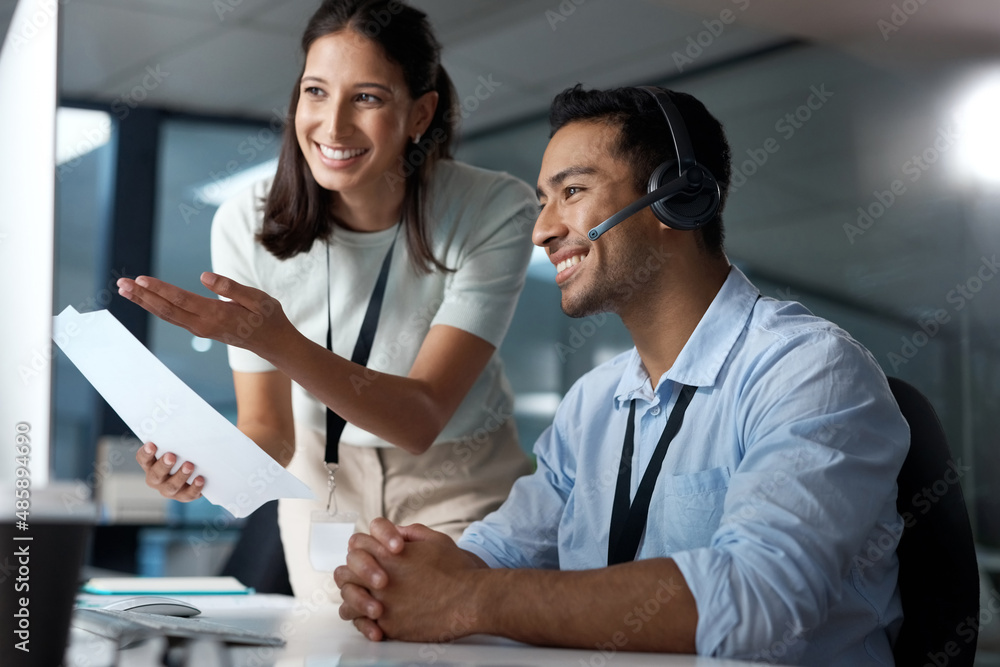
{"type": "Point", "coordinates": [682, 194]}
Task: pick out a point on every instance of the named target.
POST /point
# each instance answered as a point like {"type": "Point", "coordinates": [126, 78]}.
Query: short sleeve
{"type": "Point", "coordinates": [233, 250]}
{"type": "Point", "coordinates": [481, 295]}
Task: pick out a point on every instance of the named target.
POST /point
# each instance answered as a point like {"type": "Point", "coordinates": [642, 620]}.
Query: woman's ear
{"type": "Point", "coordinates": [423, 113]}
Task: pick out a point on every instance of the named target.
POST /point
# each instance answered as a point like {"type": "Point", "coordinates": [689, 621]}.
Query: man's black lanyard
{"type": "Point", "coordinates": [334, 422]}
{"type": "Point", "coordinates": [628, 521]}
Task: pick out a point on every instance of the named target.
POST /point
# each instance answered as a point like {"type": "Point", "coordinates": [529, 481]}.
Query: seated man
{"type": "Point", "coordinates": [748, 537]}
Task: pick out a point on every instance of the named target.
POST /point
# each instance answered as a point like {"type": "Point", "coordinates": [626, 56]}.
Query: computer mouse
{"type": "Point", "coordinates": [150, 604]}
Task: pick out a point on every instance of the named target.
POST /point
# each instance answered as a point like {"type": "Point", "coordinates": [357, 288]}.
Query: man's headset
{"type": "Point", "coordinates": [682, 194]}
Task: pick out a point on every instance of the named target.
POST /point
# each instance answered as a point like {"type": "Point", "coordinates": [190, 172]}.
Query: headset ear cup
{"type": "Point", "coordinates": [685, 211]}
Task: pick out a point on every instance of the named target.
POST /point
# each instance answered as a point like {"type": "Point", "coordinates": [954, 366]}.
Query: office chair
{"type": "Point", "coordinates": [938, 571]}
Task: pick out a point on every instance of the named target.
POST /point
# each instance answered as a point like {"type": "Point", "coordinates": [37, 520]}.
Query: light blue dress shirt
{"type": "Point", "coordinates": [777, 498]}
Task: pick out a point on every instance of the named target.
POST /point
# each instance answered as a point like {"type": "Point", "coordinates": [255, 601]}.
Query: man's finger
{"type": "Point", "coordinates": [417, 532]}
{"type": "Point", "coordinates": [344, 575]}
{"type": "Point", "coordinates": [358, 603]}
{"type": "Point", "coordinates": [366, 542]}
{"type": "Point", "coordinates": [364, 566]}
{"type": "Point", "coordinates": [369, 629]}
{"type": "Point", "coordinates": [388, 535]}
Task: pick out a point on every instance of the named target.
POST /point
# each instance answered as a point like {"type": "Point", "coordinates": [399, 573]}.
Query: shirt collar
{"type": "Point", "coordinates": [707, 349]}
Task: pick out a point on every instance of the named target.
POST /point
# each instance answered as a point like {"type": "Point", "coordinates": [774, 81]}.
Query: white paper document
{"type": "Point", "coordinates": [161, 409]}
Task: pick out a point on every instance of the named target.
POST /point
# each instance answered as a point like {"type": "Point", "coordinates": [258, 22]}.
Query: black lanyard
{"type": "Point", "coordinates": [362, 348]}
{"type": "Point", "coordinates": [628, 521]}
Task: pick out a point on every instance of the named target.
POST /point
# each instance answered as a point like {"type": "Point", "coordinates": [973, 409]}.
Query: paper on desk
{"type": "Point", "coordinates": [159, 408]}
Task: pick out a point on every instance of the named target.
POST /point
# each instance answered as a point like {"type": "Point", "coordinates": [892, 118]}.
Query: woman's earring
{"type": "Point", "coordinates": [416, 139]}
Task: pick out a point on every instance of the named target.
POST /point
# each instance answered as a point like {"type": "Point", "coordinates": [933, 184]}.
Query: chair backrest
{"type": "Point", "coordinates": [258, 559]}
{"type": "Point", "coordinates": [938, 572]}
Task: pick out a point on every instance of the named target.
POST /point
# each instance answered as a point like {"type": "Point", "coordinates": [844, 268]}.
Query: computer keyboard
{"type": "Point", "coordinates": [129, 627]}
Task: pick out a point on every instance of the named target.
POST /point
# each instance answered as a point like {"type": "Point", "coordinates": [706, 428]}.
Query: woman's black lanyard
{"type": "Point", "coordinates": [628, 521]}
{"type": "Point", "coordinates": [362, 348]}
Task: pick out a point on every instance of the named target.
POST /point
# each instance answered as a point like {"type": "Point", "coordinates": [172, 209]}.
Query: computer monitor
{"type": "Point", "coordinates": [27, 192]}
{"type": "Point", "coordinates": [46, 541]}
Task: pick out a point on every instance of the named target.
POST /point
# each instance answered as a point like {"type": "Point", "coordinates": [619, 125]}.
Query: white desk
{"type": "Point", "coordinates": [319, 638]}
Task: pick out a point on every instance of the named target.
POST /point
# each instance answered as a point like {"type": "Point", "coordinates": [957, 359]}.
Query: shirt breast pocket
{"type": "Point", "coordinates": [686, 511]}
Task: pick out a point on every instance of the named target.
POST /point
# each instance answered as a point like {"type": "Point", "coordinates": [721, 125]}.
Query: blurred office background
{"type": "Point", "coordinates": [866, 155]}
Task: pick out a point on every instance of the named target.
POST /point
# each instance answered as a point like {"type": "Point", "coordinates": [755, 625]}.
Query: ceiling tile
{"type": "Point", "coordinates": [656, 63]}
{"type": "Point", "coordinates": [237, 65]}
{"type": "Point", "coordinates": [535, 52]}
{"type": "Point", "coordinates": [291, 16]}
{"type": "Point", "coordinates": [458, 21]}
{"type": "Point", "coordinates": [102, 45]}
{"type": "Point", "coordinates": [207, 10]}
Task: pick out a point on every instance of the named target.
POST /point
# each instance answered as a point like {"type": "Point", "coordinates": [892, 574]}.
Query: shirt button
{"type": "Point", "coordinates": [655, 411]}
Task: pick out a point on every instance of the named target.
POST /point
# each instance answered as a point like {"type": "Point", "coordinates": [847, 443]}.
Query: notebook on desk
{"type": "Point", "coordinates": [165, 586]}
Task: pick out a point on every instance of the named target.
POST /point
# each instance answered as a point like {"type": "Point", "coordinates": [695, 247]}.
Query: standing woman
{"type": "Point", "coordinates": [369, 237]}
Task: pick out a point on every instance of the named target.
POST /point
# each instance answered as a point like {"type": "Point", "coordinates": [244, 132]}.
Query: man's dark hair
{"type": "Point", "coordinates": [644, 139]}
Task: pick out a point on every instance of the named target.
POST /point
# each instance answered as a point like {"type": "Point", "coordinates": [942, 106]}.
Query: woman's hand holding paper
{"type": "Point", "coordinates": [176, 486]}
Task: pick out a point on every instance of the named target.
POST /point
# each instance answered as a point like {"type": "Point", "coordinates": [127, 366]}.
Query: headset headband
{"type": "Point", "coordinates": [678, 130]}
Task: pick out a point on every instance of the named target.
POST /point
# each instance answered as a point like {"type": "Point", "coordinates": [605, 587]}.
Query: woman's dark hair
{"type": "Point", "coordinates": [298, 210]}
{"type": "Point", "coordinates": [644, 139]}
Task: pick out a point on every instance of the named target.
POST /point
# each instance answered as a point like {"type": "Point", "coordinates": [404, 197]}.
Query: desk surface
{"type": "Point", "coordinates": [317, 637]}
